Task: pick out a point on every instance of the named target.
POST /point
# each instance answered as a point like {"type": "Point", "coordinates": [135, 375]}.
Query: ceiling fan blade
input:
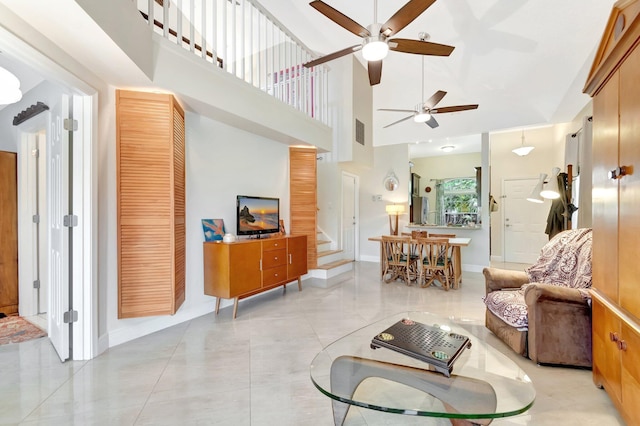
{"type": "Point", "coordinates": [419, 47]}
{"type": "Point", "coordinates": [404, 16]}
{"type": "Point", "coordinates": [375, 72]}
{"type": "Point", "coordinates": [434, 99]}
{"type": "Point", "coordinates": [332, 56]}
{"type": "Point", "coordinates": [399, 121]}
{"type": "Point", "coordinates": [396, 110]}
{"type": "Point", "coordinates": [339, 18]}
{"type": "Point", "coordinates": [453, 109]}
{"type": "Point", "coordinates": [432, 122]}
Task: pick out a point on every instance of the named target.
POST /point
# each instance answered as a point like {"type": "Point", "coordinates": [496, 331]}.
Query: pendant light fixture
{"type": "Point", "coordinates": [522, 150]}
{"type": "Point", "coordinates": [9, 88]}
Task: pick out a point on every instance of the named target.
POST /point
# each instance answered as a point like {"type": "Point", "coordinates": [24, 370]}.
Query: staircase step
{"type": "Point", "coordinates": [318, 242]}
{"type": "Point", "coordinates": [328, 252]}
{"type": "Point", "coordinates": [334, 264]}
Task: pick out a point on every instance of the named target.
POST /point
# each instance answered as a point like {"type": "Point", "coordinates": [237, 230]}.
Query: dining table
{"type": "Point", "coordinates": [455, 242]}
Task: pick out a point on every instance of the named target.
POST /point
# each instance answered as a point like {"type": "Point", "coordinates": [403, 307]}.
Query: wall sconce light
{"type": "Point", "coordinates": [393, 210]}
{"type": "Point", "coordinates": [522, 150]}
{"type": "Point", "coordinates": [535, 196]}
{"type": "Point", "coordinates": [551, 191]}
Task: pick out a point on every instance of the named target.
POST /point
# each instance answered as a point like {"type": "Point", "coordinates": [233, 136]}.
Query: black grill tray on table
{"type": "Point", "coordinates": [430, 344]}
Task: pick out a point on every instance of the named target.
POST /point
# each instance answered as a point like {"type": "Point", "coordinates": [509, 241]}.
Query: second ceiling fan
{"type": "Point", "coordinates": [376, 42]}
{"type": "Point", "coordinates": [424, 112]}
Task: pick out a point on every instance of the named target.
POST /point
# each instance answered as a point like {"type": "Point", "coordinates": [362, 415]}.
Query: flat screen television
{"type": "Point", "coordinates": [257, 215]}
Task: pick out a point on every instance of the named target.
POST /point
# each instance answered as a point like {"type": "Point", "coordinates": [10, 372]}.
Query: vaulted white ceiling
{"type": "Point", "coordinates": [523, 61]}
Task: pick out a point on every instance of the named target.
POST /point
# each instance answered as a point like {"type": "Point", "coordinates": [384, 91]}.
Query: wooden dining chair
{"type": "Point", "coordinates": [436, 262]}
{"type": "Point", "coordinates": [399, 262]}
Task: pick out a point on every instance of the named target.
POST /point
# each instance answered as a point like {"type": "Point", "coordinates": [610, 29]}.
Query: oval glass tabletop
{"type": "Point", "coordinates": [420, 364]}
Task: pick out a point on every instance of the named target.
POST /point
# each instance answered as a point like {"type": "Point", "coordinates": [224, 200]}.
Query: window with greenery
{"type": "Point", "coordinates": [457, 201]}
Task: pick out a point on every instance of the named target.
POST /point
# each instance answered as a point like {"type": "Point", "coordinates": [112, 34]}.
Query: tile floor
{"type": "Point", "coordinates": [255, 370]}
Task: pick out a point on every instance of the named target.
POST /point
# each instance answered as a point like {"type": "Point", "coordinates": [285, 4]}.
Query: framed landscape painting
{"type": "Point", "coordinates": [213, 229]}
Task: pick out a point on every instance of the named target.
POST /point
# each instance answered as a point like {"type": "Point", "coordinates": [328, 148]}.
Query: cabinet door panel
{"type": "Point", "coordinates": [629, 225]}
{"type": "Point", "coordinates": [631, 373]}
{"type": "Point", "coordinates": [297, 261]}
{"type": "Point", "coordinates": [244, 268]}
{"type": "Point", "coordinates": [606, 356]}
{"type": "Point", "coordinates": [605, 190]}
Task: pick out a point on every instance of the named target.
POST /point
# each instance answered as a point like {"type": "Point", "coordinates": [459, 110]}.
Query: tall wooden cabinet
{"type": "Point", "coordinates": [244, 268]}
{"type": "Point", "coordinates": [150, 137]}
{"type": "Point", "coordinates": [614, 84]}
{"type": "Point", "coordinates": [8, 233]}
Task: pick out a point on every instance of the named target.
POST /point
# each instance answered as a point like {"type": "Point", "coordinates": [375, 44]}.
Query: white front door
{"type": "Point", "coordinates": [58, 206]}
{"type": "Point", "coordinates": [524, 222]}
{"type": "Point", "coordinates": [348, 216]}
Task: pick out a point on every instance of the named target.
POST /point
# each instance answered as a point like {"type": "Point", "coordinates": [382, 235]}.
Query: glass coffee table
{"type": "Point", "coordinates": [482, 383]}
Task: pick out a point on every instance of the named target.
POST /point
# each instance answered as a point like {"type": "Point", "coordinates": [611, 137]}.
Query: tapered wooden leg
{"type": "Point", "coordinates": [235, 307]}
{"type": "Point", "coordinates": [299, 284]}
{"type": "Point", "coordinates": [217, 305]}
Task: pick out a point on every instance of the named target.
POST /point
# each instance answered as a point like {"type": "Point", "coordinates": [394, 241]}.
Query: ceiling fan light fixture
{"type": "Point", "coordinates": [374, 48]}
{"type": "Point", "coordinates": [422, 117]}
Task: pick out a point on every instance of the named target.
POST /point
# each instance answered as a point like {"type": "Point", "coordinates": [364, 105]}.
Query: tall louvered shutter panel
{"type": "Point", "coordinates": [147, 243]}
{"type": "Point", "coordinates": [303, 198]}
{"type": "Point", "coordinates": [179, 204]}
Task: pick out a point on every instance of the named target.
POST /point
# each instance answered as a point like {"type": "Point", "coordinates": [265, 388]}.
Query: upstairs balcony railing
{"type": "Point", "coordinates": [244, 39]}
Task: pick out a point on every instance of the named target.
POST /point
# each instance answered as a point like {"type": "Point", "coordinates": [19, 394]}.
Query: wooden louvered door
{"type": "Point", "coordinates": [9, 233]}
{"type": "Point", "coordinates": [151, 211]}
{"type": "Point", "coordinates": [303, 198]}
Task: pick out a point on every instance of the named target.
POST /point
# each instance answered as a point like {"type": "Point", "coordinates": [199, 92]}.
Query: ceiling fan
{"type": "Point", "coordinates": [424, 112]}
{"type": "Point", "coordinates": [376, 43]}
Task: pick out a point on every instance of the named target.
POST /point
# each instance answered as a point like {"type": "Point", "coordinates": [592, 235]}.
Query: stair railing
{"type": "Point", "coordinates": [246, 41]}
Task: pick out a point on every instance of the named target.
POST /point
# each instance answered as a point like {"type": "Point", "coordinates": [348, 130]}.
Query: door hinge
{"type": "Point", "coordinates": [70, 316]}
{"type": "Point", "coordinates": [70, 220]}
{"type": "Point", "coordinates": [35, 152]}
{"type": "Point", "coordinates": [36, 218]}
{"type": "Point", "coordinates": [70, 124]}
{"type": "Point", "coordinates": [36, 284]}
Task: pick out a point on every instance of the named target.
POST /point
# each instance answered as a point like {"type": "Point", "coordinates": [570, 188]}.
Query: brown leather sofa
{"type": "Point", "coordinates": [544, 313]}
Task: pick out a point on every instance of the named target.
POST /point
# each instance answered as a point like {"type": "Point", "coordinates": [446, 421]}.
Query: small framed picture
{"type": "Point", "coordinates": [282, 230]}
{"type": "Point", "coordinates": [213, 229]}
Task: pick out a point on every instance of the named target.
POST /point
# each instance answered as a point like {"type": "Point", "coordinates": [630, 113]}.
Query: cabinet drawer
{"type": "Point", "coordinates": [273, 258]}
{"type": "Point", "coordinates": [274, 275]}
{"type": "Point", "coordinates": [274, 244]}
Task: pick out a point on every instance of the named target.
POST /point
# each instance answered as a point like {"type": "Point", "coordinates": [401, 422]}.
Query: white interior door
{"type": "Point", "coordinates": [524, 222]}
{"type": "Point", "coordinates": [58, 205]}
{"type": "Point", "coordinates": [348, 216]}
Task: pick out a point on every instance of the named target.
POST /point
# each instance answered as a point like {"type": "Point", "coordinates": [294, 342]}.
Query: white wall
{"type": "Point", "coordinates": [46, 92]}
{"type": "Point", "coordinates": [221, 162]}
{"type": "Point", "coordinates": [374, 220]}
{"type": "Point", "coordinates": [549, 143]}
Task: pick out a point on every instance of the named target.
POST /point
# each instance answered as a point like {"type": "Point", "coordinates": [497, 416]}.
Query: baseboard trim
{"type": "Point", "coordinates": [133, 331]}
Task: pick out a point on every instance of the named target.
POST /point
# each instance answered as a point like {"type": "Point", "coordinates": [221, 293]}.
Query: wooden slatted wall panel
{"type": "Point", "coordinates": [145, 151]}
{"type": "Point", "coordinates": [179, 205]}
{"type": "Point", "coordinates": [303, 198]}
